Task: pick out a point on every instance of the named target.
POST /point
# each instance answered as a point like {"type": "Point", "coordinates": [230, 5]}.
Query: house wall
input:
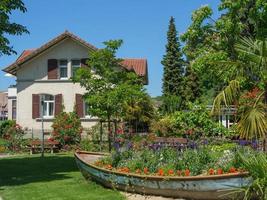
{"type": "Point", "coordinates": [32, 79]}
{"type": "Point", "coordinates": [12, 95]}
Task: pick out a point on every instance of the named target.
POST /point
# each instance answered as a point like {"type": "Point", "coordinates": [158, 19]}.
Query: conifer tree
{"type": "Point", "coordinates": [173, 64]}
{"type": "Point", "coordinates": [191, 85]}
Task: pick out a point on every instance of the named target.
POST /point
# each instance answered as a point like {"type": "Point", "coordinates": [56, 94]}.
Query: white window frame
{"type": "Point", "coordinates": [72, 67]}
{"type": "Point", "coordinates": [47, 107]}
{"type": "Point", "coordinates": [60, 66]}
{"type": "Point", "coordinates": [84, 109]}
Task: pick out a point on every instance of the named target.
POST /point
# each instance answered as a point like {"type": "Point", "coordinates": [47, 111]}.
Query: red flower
{"type": "Point", "coordinates": [211, 171]}
{"type": "Point", "coordinates": [187, 172]}
{"type": "Point", "coordinates": [146, 170]}
{"type": "Point", "coordinates": [160, 172]}
{"type": "Point", "coordinates": [171, 172]}
{"type": "Point", "coordinates": [219, 171]}
{"type": "Point", "coordinates": [109, 167]}
{"type": "Point", "coordinates": [232, 170]}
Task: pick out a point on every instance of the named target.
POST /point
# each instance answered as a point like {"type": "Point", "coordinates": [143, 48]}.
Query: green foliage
{"type": "Point", "coordinates": [67, 128]}
{"type": "Point", "coordinates": [197, 161]}
{"type": "Point", "coordinates": [191, 86]}
{"type": "Point", "coordinates": [93, 146]}
{"type": "Point", "coordinates": [108, 85]}
{"type": "Point", "coordinates": [252, 65]}
{"type": "Point", "coordinates": [13, 134]}
{"type": "Point", "coordinates": [173, 64]}
{"type": "Point", "coordinates": [194, 123]}
{"type": "Point", "coordinates": [253, 122]}
{"type": "Point", "coordinates": [4, 125]}
{"type": "Point", "coordinates": [170, 104]}
{"type": "Point", "coordinates": [208, 41]}
{"type": "Point", "coordinates": [7, 27]}
{"type": "Point", "coordinates": [255, 164]}
{"type": "Point", "coordinates": [139, 111]}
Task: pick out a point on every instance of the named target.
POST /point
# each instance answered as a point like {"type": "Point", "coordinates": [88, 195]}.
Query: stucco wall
{"type": "Point", "coordinates": [32, 79]}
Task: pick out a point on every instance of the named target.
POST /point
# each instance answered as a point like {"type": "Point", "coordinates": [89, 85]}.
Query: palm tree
{"type": "Point", "coordinates": [253, 119]}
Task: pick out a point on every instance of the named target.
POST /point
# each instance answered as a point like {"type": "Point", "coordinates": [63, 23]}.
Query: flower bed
{"type": "Point", "coordinates": [170, 162]}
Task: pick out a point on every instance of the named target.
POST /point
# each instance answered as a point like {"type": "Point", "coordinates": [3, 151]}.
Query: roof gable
{"type": "Point", "coordinates": [139, 66]}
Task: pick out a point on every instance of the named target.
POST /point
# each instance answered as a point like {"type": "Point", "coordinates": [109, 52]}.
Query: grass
{"type": "Point", "coordinates": [55, 177]}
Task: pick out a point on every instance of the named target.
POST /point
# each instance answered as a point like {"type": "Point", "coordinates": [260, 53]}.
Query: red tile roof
{"type": "Point", "coordinates": [24, 54]}
{"type": "Point", "coordinates": [139, 66]}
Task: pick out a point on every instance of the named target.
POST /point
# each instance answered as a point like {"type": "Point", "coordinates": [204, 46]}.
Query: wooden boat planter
{"type": "Point", "coordinates": [191, 187]}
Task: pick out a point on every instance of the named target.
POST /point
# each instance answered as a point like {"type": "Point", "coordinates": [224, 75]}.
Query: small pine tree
{"type": "Point", "coordinates": [173, 64]}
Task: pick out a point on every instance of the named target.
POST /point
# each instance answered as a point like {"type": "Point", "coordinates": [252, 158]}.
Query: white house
{"type": "Point", "coordinates": [45, 73]}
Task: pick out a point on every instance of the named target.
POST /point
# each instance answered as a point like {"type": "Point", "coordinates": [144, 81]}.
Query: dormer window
{"type": "Point", "coordinates": [75, 65]}
{"type": "Point", "coordinates": [63, 69]}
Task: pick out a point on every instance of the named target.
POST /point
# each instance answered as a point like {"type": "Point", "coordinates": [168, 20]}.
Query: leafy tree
{"type": "Point", "coordinates": [170, 104]}
{"type": "Point", "coordinates": [253, 120]}
{"type": "Point", "coordinates": [109, 86]}
{"type": "Point", "coordinates": [191, 85]}
{"type": "Point", "coordinates": [7, 27]}
{"type": "Point", "coordinates": [208, 41]}
{"type": "Point", "coordinates": [139, 111]}
{"type": "Point", "coordinates": [173, 63]}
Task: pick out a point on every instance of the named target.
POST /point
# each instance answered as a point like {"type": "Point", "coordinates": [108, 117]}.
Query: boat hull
{"type": "Point", "coordinates": [194, 187]}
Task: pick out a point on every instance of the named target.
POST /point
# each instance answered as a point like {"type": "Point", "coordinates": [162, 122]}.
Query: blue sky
{"type": "Point", "coordinates": [142, 24]}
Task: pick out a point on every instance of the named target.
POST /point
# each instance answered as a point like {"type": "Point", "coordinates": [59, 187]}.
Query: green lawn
{"type": "Point", "coordinates": [55, 177]}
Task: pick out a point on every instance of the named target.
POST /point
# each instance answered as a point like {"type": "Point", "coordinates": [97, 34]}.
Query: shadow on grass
{"type": "Point", "coordinates": [29, 169]}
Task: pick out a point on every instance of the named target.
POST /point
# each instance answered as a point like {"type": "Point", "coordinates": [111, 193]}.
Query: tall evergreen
{"type": "Point", "coordinates": [173, 64]}
{"type": "Point", "coordinates": [191, 85]}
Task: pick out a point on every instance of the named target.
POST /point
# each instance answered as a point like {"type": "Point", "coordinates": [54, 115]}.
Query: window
{"type": "Point", "coordinates": [14, 109]}
{"type": "Point", "coordinates": [48, 105]}
{"type": "Point", "coordinates": [63, 69]}
{"type": "Point", "coordinates": [75, 64]}
{"type": "Point", "coordinates": [86, 110]}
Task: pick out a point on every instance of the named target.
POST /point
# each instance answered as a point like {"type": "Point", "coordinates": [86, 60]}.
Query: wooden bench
{"type": "Point", "coordinates": [48, 145]}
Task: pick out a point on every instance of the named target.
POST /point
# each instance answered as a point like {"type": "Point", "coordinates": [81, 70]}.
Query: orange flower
{"type": "Point", "coordinates": [170, 172]}
{"type": "Point", "coordinates": [138, 171]}
{"type": "Point", "coordinates": [187, 172]}
{"type": "Point", "coordinates": [211, 171]}
{"type": "Point", "coordinates": [160, 172]}
{"type": "Point", "coordinates": [146, 170]}
{"type": "Point", "coordinates": [126, 169]}
{"type": "Point", "coordinates": [179, 172]}
{"type": "Point", "coordinates": [219, 171]}
{"type": "Point", "coordinates": [109, 167]}
{"type": "Point", "coordinates": [232, 170]}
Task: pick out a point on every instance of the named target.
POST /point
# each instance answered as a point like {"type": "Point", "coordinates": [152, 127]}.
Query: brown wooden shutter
{"type": "Point", "coordinates": [52, 69]}
{"type": "Point", "coordinates": [58, 104]}
{"type": "Point", "coordinates": [84, 62]}
{"type": "Point", "coordinates": [35, 106]}
{"type": "Point", "coordinates": [79, 105]}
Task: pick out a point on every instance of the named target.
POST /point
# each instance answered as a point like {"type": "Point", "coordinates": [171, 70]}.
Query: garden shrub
{"type": "Point", "coordinates": [193, 123]}
{"type": "Point", "coordinates": [67, 128]}
{"type": "Point", "coordinates": [94, 146]}
{"type": "Point", "coordinates": [13, 135]}
{"type": "Point", "coordinates": [5, 125]}
{"type": "Point", "coordinates": [3, 145]}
